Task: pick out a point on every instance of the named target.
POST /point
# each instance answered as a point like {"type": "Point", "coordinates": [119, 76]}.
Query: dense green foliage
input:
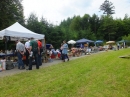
{"type": "Point", "coordinates": [10, 12]}
{"type": "Point", "coordinates": [92, 27]}
{"type": "Point", "coordinates": [98, 75]}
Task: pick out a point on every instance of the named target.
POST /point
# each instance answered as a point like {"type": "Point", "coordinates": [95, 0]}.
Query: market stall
{"type": "Point", "coordinates": [18, 31]}
{"type": "Point", "coordinates": [15, 32]}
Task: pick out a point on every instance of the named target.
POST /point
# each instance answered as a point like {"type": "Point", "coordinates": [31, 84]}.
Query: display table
{"type": "Point", "coordinates": [6, 55]}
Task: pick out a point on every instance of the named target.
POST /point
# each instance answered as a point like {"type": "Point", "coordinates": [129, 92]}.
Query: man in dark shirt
{"type": "Point", "coordinates": [34, 51]}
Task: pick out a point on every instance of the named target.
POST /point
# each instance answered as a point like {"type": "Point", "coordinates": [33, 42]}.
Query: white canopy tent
{"type": "Point", "coordinates": [18, 31]}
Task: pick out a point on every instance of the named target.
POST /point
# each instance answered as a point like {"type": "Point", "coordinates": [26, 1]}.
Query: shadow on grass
{"type": "Point", "coordinates": [125, 57]}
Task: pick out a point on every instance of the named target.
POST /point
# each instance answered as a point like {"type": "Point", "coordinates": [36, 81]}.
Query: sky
{"type": "Point", "coordinates": [55, 11]}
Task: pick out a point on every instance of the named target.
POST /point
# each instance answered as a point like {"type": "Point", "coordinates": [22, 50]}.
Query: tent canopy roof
{"type": "Point", "coordinates": [84, 41]}
{"type": "Point", "coordinates": [99, 41]}
{"type": "Point", "coordinates": [17, 30]}
{"type": "Point", "coordinates": [110, 42]}
{"type": "Point", "coordinates": [123, 41]}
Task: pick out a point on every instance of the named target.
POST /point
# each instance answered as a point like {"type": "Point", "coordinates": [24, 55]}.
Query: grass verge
{"type": "Point", "coordinates": [98, 75]}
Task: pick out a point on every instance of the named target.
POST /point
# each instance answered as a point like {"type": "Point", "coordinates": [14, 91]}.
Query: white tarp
{"type": "Point", "coordinates": [17, 30]}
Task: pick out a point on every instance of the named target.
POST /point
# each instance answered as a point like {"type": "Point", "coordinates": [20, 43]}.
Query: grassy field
{"type": "Point", "coordinates": [98, 75]}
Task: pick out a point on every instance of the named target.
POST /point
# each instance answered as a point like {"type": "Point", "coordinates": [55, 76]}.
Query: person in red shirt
{"type": "Point", "coordinates": [39, 55]}
{"type": "Point", "coordinates": [39, 43]}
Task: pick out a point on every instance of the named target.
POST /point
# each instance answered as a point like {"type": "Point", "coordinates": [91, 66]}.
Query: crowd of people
{"type": "Point", "coordinates": [61, 53]}
{"type": "Point", "coordinates": [30, 53]}
{"type": "Point", "coordinates": [64, 52]}
{"type": "Point", "coordinates": [31, 50]}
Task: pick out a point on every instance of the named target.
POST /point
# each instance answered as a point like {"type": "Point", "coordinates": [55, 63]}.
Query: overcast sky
{"type": "Point", "coordinates": [55, 11]}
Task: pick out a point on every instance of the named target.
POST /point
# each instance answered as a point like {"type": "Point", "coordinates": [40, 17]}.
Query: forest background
{"type": "Point", "coordinates": [93, 27]}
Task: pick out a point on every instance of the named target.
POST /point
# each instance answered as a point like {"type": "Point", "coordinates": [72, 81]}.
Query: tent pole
{"type": "Point", "coordinates": [5, 48]}
{"type": "Point", "coordinates": [45, 50]}
{"type": "Point", "coordinates": [5, 41]}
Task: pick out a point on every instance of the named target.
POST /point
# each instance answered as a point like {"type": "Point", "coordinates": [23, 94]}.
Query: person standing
{"type": "Point", "coordinates": [41, 50]}
{"type": "Point", "coordinates": [27, 47]}
{"type": "Point", "coordinates": [20, 48]}
{"type": "Point", "coordinates": [34, 51]}
{"type": "Point", "coordinates": [65, 51]}
{"type": "Point", "coordinates": [61, 56]}
{"type": "Point", "coordinates": [118, 46]}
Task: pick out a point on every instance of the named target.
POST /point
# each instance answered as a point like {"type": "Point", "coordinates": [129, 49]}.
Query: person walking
{"type": "Point", "coordinates": [20, 48]}
{"type": "Point", "coordinates": [65, 51]}
{"type": "Point", "coordinates": [34, 51]}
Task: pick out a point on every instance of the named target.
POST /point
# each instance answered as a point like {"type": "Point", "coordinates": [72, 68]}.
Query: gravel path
{"type": "Point", "coordinates": [16, 70]}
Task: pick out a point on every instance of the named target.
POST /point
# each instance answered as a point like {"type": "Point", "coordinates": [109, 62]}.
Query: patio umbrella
{"type": "Point", "coordinates": [98, 42]}
{"type": "Point", "coordinates": [110, 42]}
{"type": "Point", "coordinates": [71, 42]}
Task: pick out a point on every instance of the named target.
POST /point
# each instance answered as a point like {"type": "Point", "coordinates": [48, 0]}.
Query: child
{"type": "Point", "coordinates": [15, 62]}
{"type": "Point", "coordinates": [0, 66]}
{"type": "Point", "coordinates": [3, 63]}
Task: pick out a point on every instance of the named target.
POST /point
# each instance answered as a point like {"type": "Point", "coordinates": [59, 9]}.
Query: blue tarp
{"type": "Point", "coordinates": [48, 46]}
{"type": "Point", "coordinates": [98, 42]}
{"type": "Point", "coordinates": [84, 41]}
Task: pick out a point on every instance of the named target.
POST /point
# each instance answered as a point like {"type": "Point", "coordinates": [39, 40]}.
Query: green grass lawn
{"type": "Point", "coordinates": [98, 75]}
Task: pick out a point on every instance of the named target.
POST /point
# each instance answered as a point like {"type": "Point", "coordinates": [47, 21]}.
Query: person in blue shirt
{"type": "Point", "coordinates": [65, 51]}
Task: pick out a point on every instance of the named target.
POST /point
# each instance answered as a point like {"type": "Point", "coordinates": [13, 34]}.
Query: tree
{"type": "Point", "coordinates": [107, 7]}
{"type": "Point", "coordinates": [126, 21]}
{"type": "Point", "coordinates": [66, 29]}
{"type": "Point", "coordinates": [126, 37]}
{"type": "Point", "coordinates": [11, 11]}
{"type": "Point", "coordinates": [75, 27]}
{"type": "Point", "coordinates": [108, 28]}
{"type": "Point", "coordinates": [94, 23]}
{"type": "Point", "coordinates": [76, 23]}
{"type": "Point", "coordinates": [85, 22]}
{"type": "Point", "coordinates": [33, 23]}
{"type": "Point", "coordinates": [120, 29]}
